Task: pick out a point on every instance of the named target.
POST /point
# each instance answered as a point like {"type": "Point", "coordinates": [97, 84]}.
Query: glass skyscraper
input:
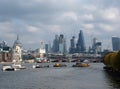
{"type": "Point", "coordinates": [62, 44]}
{"type": "Point", "coordinates": [80, 46]}
{"type": "Point", "coordinates": [55, 47]}
{"type": "Point", "coordinates": [59, 44]}
{"type": "Point", "coordinates": [72, 45]}
{"type": "Point", "coordinates": [116, 43]}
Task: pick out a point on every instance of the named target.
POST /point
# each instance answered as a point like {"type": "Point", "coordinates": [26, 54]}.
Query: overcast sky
{"type": "Point", "coordinates": [39, 20]}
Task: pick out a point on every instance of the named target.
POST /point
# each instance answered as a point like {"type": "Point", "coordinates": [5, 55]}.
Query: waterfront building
{"type": "Point", "coordinates": [42, 48]}
{"type": "Point", "coordinates": [5, 52]}
{"type": "Point", "coordinates": [72, 45]}
{"type": "Point", "coordinates": [40, 52]}
{"type": "Point", "coordinates": [80, 46]}
{"type": "Point", "coordinates": [116, 43]}
{"type": "Point", "coordinates": [17, 51]}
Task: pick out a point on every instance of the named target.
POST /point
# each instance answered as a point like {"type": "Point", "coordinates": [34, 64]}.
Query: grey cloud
{"type": "Point", "coordinates": [47, 15]}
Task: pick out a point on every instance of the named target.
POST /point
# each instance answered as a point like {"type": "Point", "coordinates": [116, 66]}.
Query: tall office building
{"type": "Point", "coordinates": [116, 43]}
{"type": "Point", "coordinates": [94, 51]}
{"type": "Point", "coordinates": [72, 45]}
{"type": "Point", "coordinates": [99, 47]}
{"type": "Point", "coordinates": [55, 47]}
{"type": "Point", "coordinates": [62, 44]}
{"type": "Point", "coordinates": [80, 46]}
{"type": "Point", "coordinates": [59, 44]}
{"type": "Point", "coordinates": [48, 48]}
{"type": "Point", "coordinates": [96, 47]}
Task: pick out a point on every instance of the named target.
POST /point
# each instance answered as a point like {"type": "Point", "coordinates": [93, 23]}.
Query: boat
{"type": "Point", "coordinates": [79, 64]}
{"type": "Point", "coordinates": [12, 67]}
{"type": "Point", "coordinates": [8, 68]}
{"type": "Point", "coordinates": [59, 65]}
{"type": "Point", "coordinates": [40, 66]}
{"type": "Point", "coordinates": [18, 66]}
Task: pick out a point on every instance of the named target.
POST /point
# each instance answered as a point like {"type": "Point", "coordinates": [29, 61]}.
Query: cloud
{"type": "Point", "coordinates": [111, 14]}
{"type": "Point", "coordinates": [107, 27]}
{"type": "Point", "coordinates": [88, 17]}
{"type": "Point", "coordinates": [56, 28]}
{"type": "Point", "coordinates": [88, 26]}
{"type": "Point", "coordinates": [70, 15]}
{"type": "Point", "coordinates": [32, 29]}
{"type": "Point", "coordinates": [40, 20]}
{"type": "Point", "coordinates": [6, 27]}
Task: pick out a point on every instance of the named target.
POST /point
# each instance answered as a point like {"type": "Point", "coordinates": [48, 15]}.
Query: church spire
{"type": "Point", "coordinates": [17, 42]}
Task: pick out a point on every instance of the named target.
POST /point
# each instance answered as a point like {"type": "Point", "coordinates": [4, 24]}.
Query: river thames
{"type": "Point", "coordinates": [93, 77]}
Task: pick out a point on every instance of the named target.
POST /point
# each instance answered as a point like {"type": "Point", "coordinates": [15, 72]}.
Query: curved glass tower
{"type": "Point", "coordinates": [80, 46]}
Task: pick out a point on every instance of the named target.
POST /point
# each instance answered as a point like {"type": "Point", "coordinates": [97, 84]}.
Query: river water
{"type": "Point", "coordinates": [93, 77]}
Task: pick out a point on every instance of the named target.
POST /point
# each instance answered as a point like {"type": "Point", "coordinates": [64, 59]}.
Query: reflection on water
{"type": "Point", "coordinates": [115, 84]}
{"type": "Point", "coordinates": [93, 77]}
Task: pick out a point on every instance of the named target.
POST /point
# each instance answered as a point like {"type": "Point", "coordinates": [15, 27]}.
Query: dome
{"type": "Point", "coordinates": [17, 42]}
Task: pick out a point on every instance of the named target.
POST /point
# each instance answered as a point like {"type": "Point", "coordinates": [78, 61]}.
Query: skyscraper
{"type": "Point", "coordinates": [80, 46]}
{"type": "Point", "coordinates": [116, 43]}
{"type": "Point", "coordinates": [55, 47]}
{"type": "Point", "coordinates": [48, 48]}
{"type": "Point", "coordinates": [62, 44]}
{"type": "Point", "coordinates": [59, 44]}
{"type": "Point", "coordinates": [72, 45]}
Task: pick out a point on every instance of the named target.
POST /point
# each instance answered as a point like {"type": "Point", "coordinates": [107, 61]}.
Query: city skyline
{"type": "Point", "coordinates": [40, 20]}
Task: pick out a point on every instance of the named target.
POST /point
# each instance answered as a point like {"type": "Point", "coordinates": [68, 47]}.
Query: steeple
{"type": "Point", "coordinates": [17, 42]}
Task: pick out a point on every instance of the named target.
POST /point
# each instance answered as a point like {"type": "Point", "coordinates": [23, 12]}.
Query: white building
{"type": "Point", "coordinates": [17, 51]}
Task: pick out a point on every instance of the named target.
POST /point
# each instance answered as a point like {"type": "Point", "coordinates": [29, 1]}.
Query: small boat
{"type": "Point", "coordinates": [79, 64]}
{"type": "Point", "coordinates": [59, 65]}
{"type": "Point", "coordinates": [8, 68]}
{"type": "Point", "coordinates": [36, 66]}
{"type": "Point", "coordinates": [40, 66]}
{"type": "Point", "coordinates": [18, 66]}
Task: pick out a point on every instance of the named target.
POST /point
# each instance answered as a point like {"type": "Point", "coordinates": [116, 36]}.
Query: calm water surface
{"type": "Point", "coordinates": [93, 77]}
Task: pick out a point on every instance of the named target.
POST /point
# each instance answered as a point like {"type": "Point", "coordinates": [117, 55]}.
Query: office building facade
{"type": "Point", "coordinates": [116, 43]}
{"type": "Point", "coordinates": [72, 45]}
{"type": "Point", "coordinates": [80, 46]}
{"type": "Point", "coordinates": [59, 44]}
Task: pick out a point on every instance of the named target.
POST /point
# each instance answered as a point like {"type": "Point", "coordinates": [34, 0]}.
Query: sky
{"type": "Point", "coordinates": [37, 21]}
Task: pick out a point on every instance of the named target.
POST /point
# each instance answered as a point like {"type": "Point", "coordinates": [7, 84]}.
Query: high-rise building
{"type": "Point", "coordinates": [48, 48]}
{"type": "Point", "coordinates": [59, 44]}
{"type": "Point", "coordinates": [94, 51]}
{"type": "Point", "coordinates": [116, 43]}
{"type": "Point", "coordinates": [62, 44]}
{"type": "Point", "coordinates": [96, 47]}
{"type": "Point", "coordinates": [55, 47]}
{"type": "Point", "coordinates": [80, 46]}
{"type": "Point", "coordinates": [72, 45]}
